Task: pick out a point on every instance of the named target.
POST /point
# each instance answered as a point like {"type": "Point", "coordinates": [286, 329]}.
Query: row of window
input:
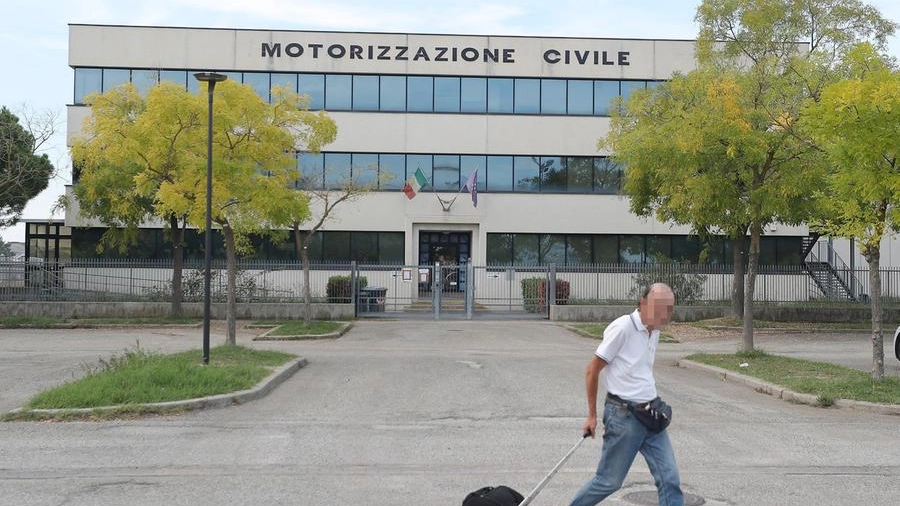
{"type": "Point", "coordinates": [496, 173]}
{"type": "Point", "coordinates": [366, 92]}
{"type": "Point", "coordinates": [152, 244]}
{"type": "Point", "coordinates": [579, 249]}
{"type": "Point", "coordinates": [502, 248]}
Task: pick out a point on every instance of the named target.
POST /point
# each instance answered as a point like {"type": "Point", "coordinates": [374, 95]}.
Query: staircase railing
{"type": "Point", "coordinates": [841, 282]}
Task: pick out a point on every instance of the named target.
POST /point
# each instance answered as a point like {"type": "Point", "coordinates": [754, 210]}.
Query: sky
{"type": "Point", "coordinates": [37, 78]}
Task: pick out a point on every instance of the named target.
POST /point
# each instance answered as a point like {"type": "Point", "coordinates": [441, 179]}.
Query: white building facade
{"type": "Point", "coordinates": [525, 112]}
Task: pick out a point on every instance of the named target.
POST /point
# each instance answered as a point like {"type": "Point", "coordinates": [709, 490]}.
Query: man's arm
{"type": "Point", "coordinates": [591, 384]}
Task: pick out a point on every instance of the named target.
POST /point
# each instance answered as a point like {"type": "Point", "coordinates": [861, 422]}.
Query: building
{"type": "Point", "coordinates": [524, 112]}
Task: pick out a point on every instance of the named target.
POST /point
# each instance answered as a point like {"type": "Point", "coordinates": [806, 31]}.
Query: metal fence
{"type": "Point", "coordinates": [95, 280]}
{"type": "Point", "coordinates": [510, 288]}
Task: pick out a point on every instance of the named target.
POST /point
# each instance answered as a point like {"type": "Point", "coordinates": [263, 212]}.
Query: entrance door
{"type": "Point", "coordinates": [451, 250]}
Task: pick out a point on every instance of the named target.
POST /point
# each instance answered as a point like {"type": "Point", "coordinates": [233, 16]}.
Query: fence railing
{"type": "Point", "coordinates": [137, 280]}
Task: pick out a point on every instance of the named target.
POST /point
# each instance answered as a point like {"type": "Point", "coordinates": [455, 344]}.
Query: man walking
{"type": "Point", "coordinates": [626, 358]}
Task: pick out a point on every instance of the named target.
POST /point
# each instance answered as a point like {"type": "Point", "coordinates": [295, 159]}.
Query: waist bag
{"type": "Point", "coordinates": [656, 415]}
{"type": "Point", "coordinates": [493, 496]}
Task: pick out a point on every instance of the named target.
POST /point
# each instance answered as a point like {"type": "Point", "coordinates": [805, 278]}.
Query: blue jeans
{"type": "Point", "coordinates": [624, 436]}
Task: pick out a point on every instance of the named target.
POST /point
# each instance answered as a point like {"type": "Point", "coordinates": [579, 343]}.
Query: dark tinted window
{"type": "Point", "coordinates": [419, 94]}
{"type": "Point", "coordinates": [528, 96]}
{"type": "Point", "coordinates": [473, 94]}
{"type": "Point", "coordinates": [446, 94]}
{"type": "Point", "coordinates": [393, 93]}
{"type": "Point", "coordinates": [365, 93]}
{"type": "Point", "coordinates": [313, 85]}
{"type": "Point", "coordinates": [338, 96]}
{"type": "Point", "coordinates": [553, 96]}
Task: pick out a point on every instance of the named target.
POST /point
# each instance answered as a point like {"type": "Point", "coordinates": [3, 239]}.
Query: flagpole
{"type": "Point", "coordinates": [449, 203]}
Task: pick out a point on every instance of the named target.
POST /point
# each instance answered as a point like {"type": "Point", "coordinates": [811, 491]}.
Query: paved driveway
{"type": "Point", "coordinates": [414, 413]}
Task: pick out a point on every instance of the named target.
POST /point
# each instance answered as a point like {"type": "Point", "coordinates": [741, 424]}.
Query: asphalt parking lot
{"type": "Point", "coordinates": [422, 412]}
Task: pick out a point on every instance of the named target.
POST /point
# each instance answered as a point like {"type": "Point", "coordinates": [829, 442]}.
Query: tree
{"type": "Point", "coordinates": [131, 146]}
{"type": "Point", "coordinates": [141, 158]}
{"type": "Point", "coordinates": [678, 166]}
{"type": "Point", "coordinates": [856, 123]}
{"type": "Point", "coordinates": [324, 202]}
{"type": "Point", "coordinates": [254, 171]}
{"type": "Point", "coordinates": [23, 172]}
{"type": "Point", "coordinates": [725, 134]}
{"type": "Point", "coordinates": [760, 38]}
{"type": "Point", "coordinates": [5, 249]}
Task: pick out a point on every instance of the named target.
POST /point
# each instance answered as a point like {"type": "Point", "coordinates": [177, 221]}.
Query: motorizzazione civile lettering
{"type": "Point", "coordinates": [438, 53]}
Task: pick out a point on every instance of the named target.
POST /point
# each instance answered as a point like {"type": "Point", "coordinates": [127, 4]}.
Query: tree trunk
{"type": "Point", "coordinates": [307, 298]}
{"type": "Point", "coordinates": [177, 232]}
{"type": "Point", "coordinates": [303, 251]}
{"type": "Point", "coordinates": [873, 255]}
{"type": "Point", "coordinates": [231, 298]}
{"type": "Point", "coordinates": [737, 283]}
{"type": "Point", "coordinates": [752, 266]}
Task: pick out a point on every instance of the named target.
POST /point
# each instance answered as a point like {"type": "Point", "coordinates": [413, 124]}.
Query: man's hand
{"type": "Point", "coordinates": [590, 426]}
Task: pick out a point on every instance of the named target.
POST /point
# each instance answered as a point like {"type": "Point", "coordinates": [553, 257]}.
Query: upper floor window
{"type": "Point", "coordinates": [393, 93]}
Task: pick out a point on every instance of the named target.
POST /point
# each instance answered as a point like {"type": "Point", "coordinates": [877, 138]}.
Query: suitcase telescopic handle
{"type": "Point", "coordinates": [540, 486]}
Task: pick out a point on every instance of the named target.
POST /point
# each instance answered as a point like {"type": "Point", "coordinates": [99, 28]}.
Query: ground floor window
{"type": "Point", "coordinates": [580, 249]}
{"type": "Point", "coordinates": [324, 247]}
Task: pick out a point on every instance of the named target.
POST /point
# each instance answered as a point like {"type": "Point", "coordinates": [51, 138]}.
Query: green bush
{"type": "Point", "coordinates": [534, 294]}
{"type": "Point", "coordinates": [688, 287]}
{"type": "Point", "coordinates": [339, 289]}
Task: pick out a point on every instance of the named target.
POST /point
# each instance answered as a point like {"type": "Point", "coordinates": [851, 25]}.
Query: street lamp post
{"type": "Point", "coordinates": [210, 78]}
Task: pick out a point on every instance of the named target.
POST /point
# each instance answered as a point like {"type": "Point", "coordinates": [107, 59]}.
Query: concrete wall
{"type": "Point", "coordinates": [256, 311]}
{"type": "Point", "coordinates": [608, 313]}
{"type": "Point", "coordinates": [890, 319]}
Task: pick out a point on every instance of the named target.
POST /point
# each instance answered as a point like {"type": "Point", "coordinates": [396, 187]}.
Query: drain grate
{"type": "Point", "coordinates": [650, 498]}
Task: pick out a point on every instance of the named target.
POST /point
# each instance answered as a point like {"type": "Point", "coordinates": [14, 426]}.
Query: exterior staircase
{"type": "Point", "coordinates": [832, 278]}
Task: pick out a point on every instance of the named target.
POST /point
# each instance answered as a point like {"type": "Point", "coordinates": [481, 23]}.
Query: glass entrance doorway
{"type": "Point", "coordinates": [451, 250]}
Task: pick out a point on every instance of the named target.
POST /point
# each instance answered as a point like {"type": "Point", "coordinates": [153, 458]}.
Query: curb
{"type": "Point", "coordinates": [777, 330]}
{"type": "Point", "coordinates": [787, 394]}
{"type": "Point", "coordinates": [265, 386]}
{"type": "Point", "coordinates": [304, 337]}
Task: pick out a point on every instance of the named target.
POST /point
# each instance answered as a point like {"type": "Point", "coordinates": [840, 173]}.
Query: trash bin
{"type": "Point", "coordinates": [365, 301]}
{"type": "Point", "coordinates": [377, 296]}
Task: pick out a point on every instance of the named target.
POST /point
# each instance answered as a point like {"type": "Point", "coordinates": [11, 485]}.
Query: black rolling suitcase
{"type": "Point", "coordinates": [505, 496]}
{"type": "Point", "coordinates": [493, 496]}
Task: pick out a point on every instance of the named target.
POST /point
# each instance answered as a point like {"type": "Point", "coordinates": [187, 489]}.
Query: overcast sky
{"type": "Point", "coordinates": [34, 37]}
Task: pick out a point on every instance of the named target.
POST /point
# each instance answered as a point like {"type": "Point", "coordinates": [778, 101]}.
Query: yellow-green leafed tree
{"type": "Point", "coordinates": [145, 157]}
{"type": "Point", "coordinates": [254, 171]}
{"type": "Point", "coordinates": [129, 148]}
{"type": "Point", "coordinates": [718, 148]}
{"type": "Point", "coordinates": [857, 124]}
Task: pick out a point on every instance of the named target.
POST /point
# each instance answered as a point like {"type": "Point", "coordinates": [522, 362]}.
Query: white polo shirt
{"type": "Point", "coordinates": [629, 350]}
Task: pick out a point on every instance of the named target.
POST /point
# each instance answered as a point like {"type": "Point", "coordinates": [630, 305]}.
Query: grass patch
{"type": "Point", "coordinates": [299, 328]}
{"type": "Point", "coordinates": [138, 377]}
{"type": "Point", "coordinates": [46, 321]}
{"type": "Point", "coordinates": [763, 324]}
{"type": "Point", "coordinates": [595, 330]}
{"type": "Point", "coordinates": [826, 381]}
{"type": "Point", "coordinates": [30, 321]}
{"type": "Point", "coordinates": [163, 320]}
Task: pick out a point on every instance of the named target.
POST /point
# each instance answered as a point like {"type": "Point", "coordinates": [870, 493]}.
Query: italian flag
{"type": "Point", "coordinates": [414, 184]}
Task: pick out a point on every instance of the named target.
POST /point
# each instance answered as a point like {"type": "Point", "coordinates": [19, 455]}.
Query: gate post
{"type": "Point", "coordinates": [436, 287]}
{"type": "Point", "coordinates": [551, 288]}
{"type": "Point", "coordinates": [470, 289]}
{"type": "Point", "coordinates": [354, 294]}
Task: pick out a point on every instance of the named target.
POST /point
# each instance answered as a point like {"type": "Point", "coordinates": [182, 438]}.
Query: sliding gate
{"type": "Point", "coordinates": [452, 291]}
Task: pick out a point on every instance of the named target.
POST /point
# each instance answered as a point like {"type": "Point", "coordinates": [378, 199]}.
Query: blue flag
{"type": "Point", "coordinates": [472, 186]}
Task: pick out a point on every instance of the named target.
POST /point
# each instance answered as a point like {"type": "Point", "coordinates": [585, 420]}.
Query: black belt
{"type": "Point", "coordinates": [615, 399]}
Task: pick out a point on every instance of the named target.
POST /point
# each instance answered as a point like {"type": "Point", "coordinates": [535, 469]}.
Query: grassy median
{"type": "Point", "coordinates": [827, 382]}
{"type": "Point", "coordinates": [137, 377]}
{"type": "Point", "coordinates": [595, 330]}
